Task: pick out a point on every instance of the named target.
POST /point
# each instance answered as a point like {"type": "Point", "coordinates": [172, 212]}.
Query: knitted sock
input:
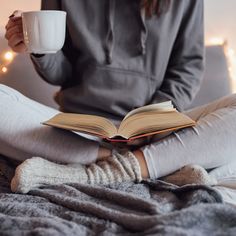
{"type": "Point", "coordinates": [190, 174]}
{"type": "Point", "coordinates": [37, 171]}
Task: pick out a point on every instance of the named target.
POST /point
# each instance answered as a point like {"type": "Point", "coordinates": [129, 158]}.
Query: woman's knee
{"type": "Point", "coordinates": [230, 100]}
{"type": "Point", "coordinates": [234, 99]}
{"type": "Point", "coordinates": [6, 91]}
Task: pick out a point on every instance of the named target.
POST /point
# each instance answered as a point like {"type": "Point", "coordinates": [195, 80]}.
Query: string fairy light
{"type": "Point", "coordinates": [5, 59]}
{"type": "Point", "coordinates": [4, 69]}
{"type": "Point", "coordinates": [230, 55]}
{"type": "Point", "coordinates": [8, 56]}
{"type": "Point", "coordinates": [215, 41]}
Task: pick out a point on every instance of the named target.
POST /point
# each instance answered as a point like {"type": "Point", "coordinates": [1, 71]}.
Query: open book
{"type": "Point", "coordinates": [140, 122]}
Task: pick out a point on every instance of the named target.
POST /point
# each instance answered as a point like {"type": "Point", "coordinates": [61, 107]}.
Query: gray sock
{"type": "Point", "coordinates": [37, 171]}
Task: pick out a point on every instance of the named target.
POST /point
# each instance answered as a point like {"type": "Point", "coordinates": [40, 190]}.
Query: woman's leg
{"type": "Point", "coordinates": [211, 143]}
{"type": "Point", "coordinates": [22, 135]}
{"type": "Point", "coordinates": [37, 171]}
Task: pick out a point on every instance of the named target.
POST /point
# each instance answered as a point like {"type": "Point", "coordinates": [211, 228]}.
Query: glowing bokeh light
{"type": "Point", "coordinates": [215, 41]}
{"type": "Point", "coordinates": [231, 57]}
{"type": "Point", "coordinates": [4, 69]}
{"type": "Point", "coordinates": [9, 56]}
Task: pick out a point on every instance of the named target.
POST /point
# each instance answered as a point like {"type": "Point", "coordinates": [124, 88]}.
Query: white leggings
{"type": "Point", "coordinates": [211, 143]}
{"type": "Point", "coordinates": [22, 135]}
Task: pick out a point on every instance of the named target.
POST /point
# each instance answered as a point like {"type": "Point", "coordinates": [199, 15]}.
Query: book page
{"type": "Point", "coordinates": [88, 136]}
{"type": "Point", "coordinates": [141, 123]}
{"type": "Point", "coordinates": [163, 106]}
{"type": "Point", "coordinates": [96, 125]}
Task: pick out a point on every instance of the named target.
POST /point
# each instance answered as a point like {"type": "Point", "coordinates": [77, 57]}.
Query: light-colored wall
{"type": "Point", "coordinates": [220, 16]}
{"type": "Point", "coordinates": [220, 20]}
{"type": "Point", "coordinates": [8, 6]}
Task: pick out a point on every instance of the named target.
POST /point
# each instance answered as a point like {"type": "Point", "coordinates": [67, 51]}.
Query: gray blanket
{"type": "Point", "coordinates": [148, 208]}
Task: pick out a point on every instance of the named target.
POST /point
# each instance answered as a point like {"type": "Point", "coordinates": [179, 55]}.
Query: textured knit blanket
{"type": "Point", "coordinates": [148, 208]}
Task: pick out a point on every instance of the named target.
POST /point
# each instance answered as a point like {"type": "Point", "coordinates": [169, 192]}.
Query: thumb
{"type": "Point", "coordinates": [16, 14]}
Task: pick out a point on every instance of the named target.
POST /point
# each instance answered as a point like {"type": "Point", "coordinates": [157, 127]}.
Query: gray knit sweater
{"type": "Point", "coordinates": [115, 59]}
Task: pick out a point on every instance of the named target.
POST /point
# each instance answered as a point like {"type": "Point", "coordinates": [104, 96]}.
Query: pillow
{"type": "Point", "coordinates": [216, 82]}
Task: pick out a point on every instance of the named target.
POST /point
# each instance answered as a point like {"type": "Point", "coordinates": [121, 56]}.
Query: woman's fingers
{"type": "Point", "coordinates": [15, 39]}
{"type": "Point", "coordinates": [13, 21]}
{"type": "Point", "coordinates": [13, 30]}
{"type": "Point", "coordinates": [14, 33]}
{"type": "Point", "coordinates": [139, 142]}
{"type": "Point", "coordinates": [16, 14]}
{"type": "Point", "coordinates": [16, 42]}
{"type": "Point", "coordinates": [20, 48]}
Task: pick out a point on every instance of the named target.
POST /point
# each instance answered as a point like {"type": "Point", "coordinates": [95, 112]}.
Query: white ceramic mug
{"type": "Point", "coordinates": [44, 31]}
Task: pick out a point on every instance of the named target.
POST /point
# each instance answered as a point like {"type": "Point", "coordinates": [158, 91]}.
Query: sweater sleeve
{"type": "Point", "coordinates": [186, 64]}
{"type": "Point", "coordinates": [55, 68]}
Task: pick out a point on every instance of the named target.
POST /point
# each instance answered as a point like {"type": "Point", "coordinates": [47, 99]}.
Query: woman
{"type": "Point", "coordinates": [118, 55]}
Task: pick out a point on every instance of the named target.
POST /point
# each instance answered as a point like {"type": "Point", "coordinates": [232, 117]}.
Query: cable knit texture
{"type": "Point", "coordinates": [37, 171]}
{"type": "Point", "coordinates": [190, 174]}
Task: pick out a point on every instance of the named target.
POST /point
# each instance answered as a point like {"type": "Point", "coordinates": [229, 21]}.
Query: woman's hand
{"type": "Point", "coordinates": [139, 142]}
{"type": "Point", "coordinates": [14, 33]}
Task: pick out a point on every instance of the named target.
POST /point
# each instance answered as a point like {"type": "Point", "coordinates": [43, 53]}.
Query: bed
{"type": "Point", "coordinates": [147, 208]}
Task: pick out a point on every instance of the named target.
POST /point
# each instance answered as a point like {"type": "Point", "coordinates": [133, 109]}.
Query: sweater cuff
{"type": "Point", "coordinates": [44, 61]}
{"type": "Point", "coordinates": [37, 55]}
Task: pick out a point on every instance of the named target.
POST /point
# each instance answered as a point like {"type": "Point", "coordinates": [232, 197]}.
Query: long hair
{"type": "Point", "coordinates": [155, 7]}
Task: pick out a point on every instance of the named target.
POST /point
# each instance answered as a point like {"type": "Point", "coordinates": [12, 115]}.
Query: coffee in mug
{"type": "Point", "coordinates": [44, 31]}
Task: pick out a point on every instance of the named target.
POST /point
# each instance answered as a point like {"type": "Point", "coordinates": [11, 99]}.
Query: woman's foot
{"type": "Point", "coordinates": [37, 171]}
{"type": "Point", "coordinates": [190, 174]}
